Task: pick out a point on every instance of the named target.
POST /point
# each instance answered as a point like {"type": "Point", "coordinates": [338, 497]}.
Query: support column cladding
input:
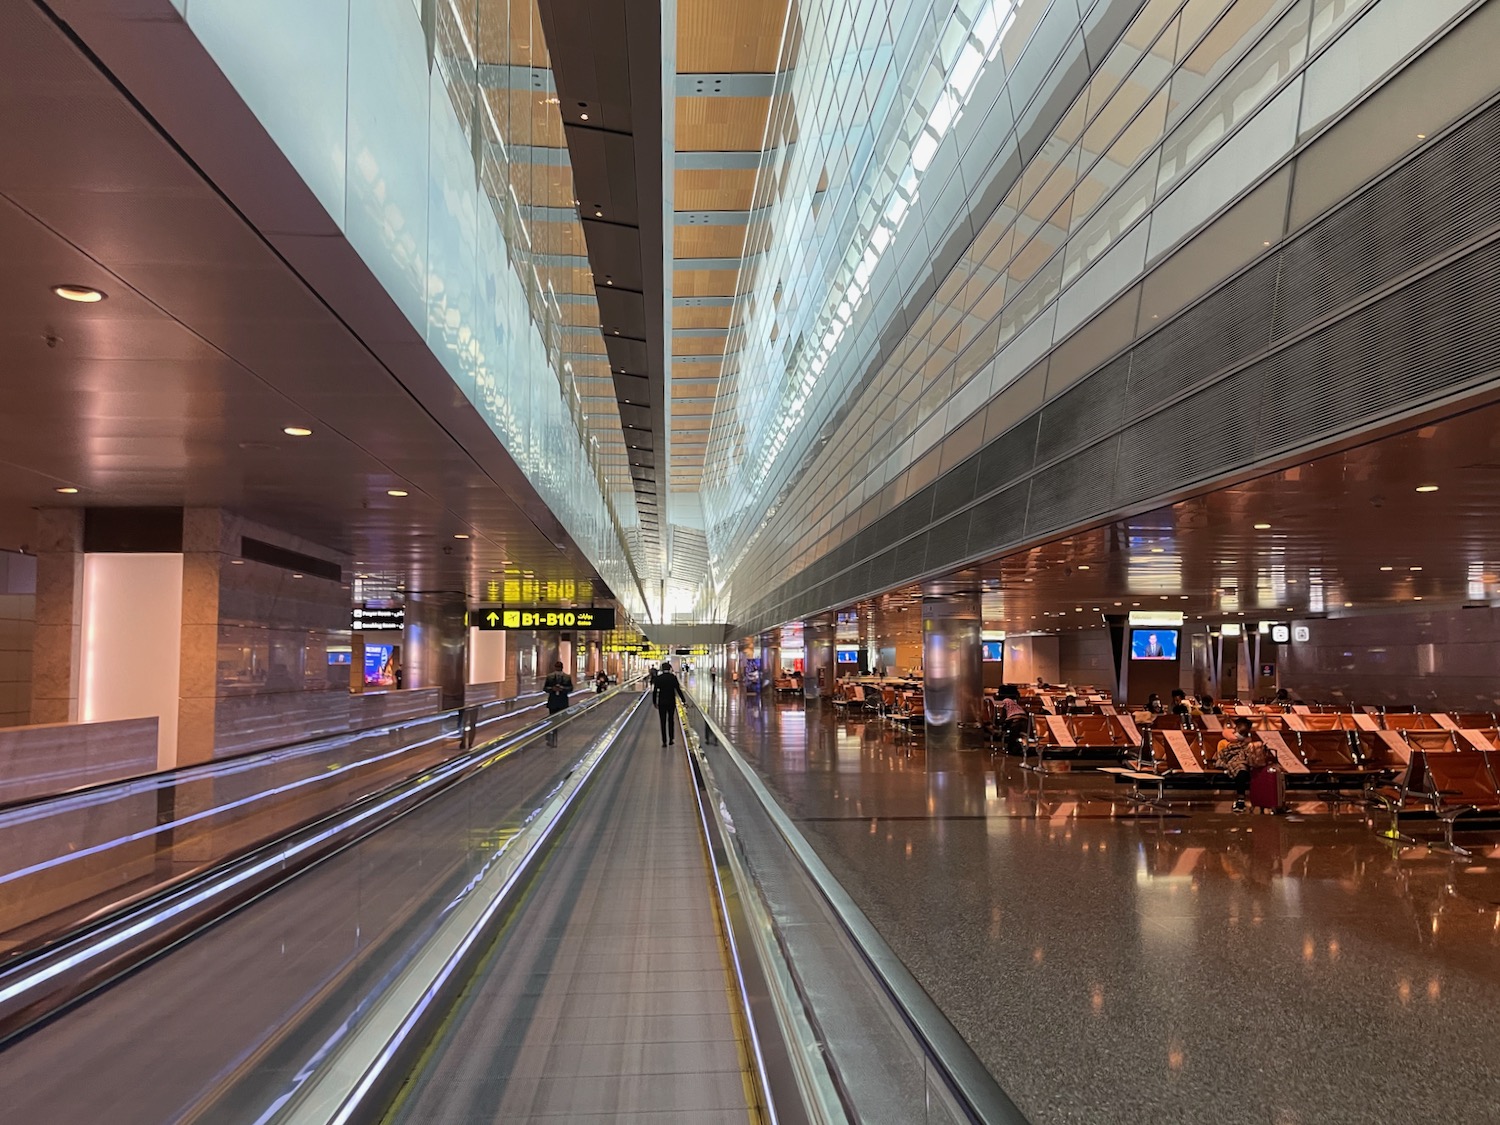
{"type": "Point", "coordinates": [437, 634]}
{"type": "Point", "coordinates": [770, 658]}
{"type": "Point", "coordinates": [58, 633]}
{"type": "Point", "coordinates": [821, 669]}
{"type": "Point", "coordinates": [953, 669]}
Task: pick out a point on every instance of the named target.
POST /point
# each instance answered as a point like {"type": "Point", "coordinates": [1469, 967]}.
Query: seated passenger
{"type": "Point", "coordinates": [1012, 720]}
{"type": "Point", "coordinates": [1153, 704]}
{"type": "Point", "coordinates": [1068, 706]}
{"type": "Point", "coordinates": [1235, 755]}
{"type": "Point", "coordinates": [1179, 702]}
{"type": "Point", "coordinates": [1207, 706]}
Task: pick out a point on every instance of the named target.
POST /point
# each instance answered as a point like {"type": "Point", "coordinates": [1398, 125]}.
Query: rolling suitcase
{"type": "Point", "coordinates": [1267, 788]}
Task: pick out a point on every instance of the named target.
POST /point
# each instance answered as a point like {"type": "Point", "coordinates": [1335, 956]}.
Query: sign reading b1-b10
{"type": "Point", "coordinates": [508, 618]}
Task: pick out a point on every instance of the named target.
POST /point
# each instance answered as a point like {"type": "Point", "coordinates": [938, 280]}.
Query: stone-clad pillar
{"type": "Point", "coordinates": [56, 641]}
{"type": "Point", "coordinates": [203, 560]}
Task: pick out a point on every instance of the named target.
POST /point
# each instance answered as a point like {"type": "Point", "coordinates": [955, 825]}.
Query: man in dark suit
{"type": "Point", "coordinates": [665, 694]}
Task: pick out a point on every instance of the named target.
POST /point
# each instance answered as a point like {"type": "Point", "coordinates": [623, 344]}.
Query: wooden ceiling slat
{"type": "Point", "coordinates": [721, 124]}
{"type": "Point", "coordinates": [712, 316]}
{"type": "Point", "coordinates": [704, 283]}
{"type": "Point", "coordinates": [729, 189]}
{"type": "Point", "coordinates": [708, 242]}
{"type": "Point", "coordinates": [698, 345]}
{"type": "Point", "coordinates": [718, 38]}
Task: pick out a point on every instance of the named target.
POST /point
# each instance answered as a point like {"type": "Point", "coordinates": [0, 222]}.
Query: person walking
{"type": "Point", "coordinates": [559, 689]}
{"type": "Point", "coordinates": [666, 694]}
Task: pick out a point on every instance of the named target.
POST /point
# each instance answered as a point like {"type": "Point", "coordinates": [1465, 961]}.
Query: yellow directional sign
{"type": "Point", "coordinates": [502, 618]}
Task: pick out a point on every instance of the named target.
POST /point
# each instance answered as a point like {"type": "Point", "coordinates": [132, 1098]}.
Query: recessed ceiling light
{"type": "Point", "coordinates": [1387, 568]}
{"type": "Point", "coordinates": [1158, 550]}
{"type": "Point", "coordinates": [1262, 527]}
{"type": "Point", "coordinates": [68, 490]}
{"type": "Point", "coordinates": [1348, 605]}
{"type": "Point", "coordinates": [1427, 488]}
{"type": "Point", "coordinates": [1083, 566]}
{"type": "Point", "coordinates": [1119, 603]}
{"type": "Point", "coordinates": [459, 535]}
{"type": "Point", "coordinates": [1417, 598]}
{"type": "Point", "coordinates": [1182, 597]}
{"type": "Point", "coordinates": [1414, 568]}
{"type": "Point", "coordinates": [236, 562]}
{"type": "Point", "coordinates": [296, 431]}
{"type": "Point", "coordinates": [80, 293]}
{"type": "Point", "coordinates": [296, 576]}
{"type": "Point", "coordinates": [1421, 136]}
{"type": "Point", "coordinates": [583, 117]}
{"type": "Point", "coordinates": [395, 492]}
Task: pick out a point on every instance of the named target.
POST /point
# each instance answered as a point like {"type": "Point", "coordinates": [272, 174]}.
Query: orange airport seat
{"type": "Point", "coordinates": [1401, 721]}
{"type": "Point", "coordinates": [1461, 784]}
{"type": "Point", "coordinates": [1432, 741]}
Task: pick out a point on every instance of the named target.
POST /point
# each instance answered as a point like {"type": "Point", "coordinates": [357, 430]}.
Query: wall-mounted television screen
{"type": "Point", "coordinates": [994, 651]}
{"type": "Point", "coordinates": [848, 656]}
{"type": "Point", "coordinates": [1153, 644]}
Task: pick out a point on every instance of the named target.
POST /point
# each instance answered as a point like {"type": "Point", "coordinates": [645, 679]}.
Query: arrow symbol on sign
{"type": "Point", "coordinates": [492, 617]}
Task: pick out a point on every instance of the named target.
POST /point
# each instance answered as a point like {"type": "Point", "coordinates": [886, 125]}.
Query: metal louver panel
{"type": "Point", "coordinates": [1071, 491]}
{"type": "Point", "coordinates": [1399, 223]}
{"type": "Point", "coordinates": [1084, 413]}
{"type": "Point", "coordinates": [1245, 374]}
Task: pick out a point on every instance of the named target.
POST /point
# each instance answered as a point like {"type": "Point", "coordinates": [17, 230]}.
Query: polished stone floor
{"type": "Point", "coordinates": [1112, 965]}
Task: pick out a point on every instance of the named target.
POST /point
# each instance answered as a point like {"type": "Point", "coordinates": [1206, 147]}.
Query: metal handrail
{"type": "Point", "coordinates": [967, 1078]}
{"type": "Point", "coordinates": [118, 940]}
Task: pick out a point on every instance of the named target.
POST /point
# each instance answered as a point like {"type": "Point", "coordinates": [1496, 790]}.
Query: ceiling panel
{"type": "Point", "coordinates": [702, 316]}
{"type": "Point", "coordinates": [714, 38]}
{"type": "Point", "coordinates": [721, 124]}
{"type": "Point", "coordinates": [704, 283]}
{"type": "Point", "coordinates": [727, 189]}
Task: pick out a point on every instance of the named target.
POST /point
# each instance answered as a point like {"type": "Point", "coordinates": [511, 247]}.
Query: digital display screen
{"type": "Point", "coordinates": [848, 656]}
{"type": "Point", "coordinates": [340, 656]}
{"type": "Point", "coordinates": [1153, 644]}
{"type": "Point", "coordinates": [380, 668]}
{"type": "Point", "coordinates": [994, 651]}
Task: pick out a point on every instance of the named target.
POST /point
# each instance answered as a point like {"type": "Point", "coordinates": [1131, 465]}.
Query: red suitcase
{"type": "Point", "coordinates": [1267, 788]}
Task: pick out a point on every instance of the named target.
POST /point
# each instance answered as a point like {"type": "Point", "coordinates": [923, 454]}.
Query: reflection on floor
{"type": "Point", "coordinates": [1112, 964]}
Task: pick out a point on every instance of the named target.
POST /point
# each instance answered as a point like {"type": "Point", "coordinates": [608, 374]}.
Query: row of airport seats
{"type": "Point", "coordinates": [887, 702]}
{"type": "Point", "coordinates": [1423, 770]}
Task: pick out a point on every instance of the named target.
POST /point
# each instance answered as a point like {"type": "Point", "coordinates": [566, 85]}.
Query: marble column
{"type": "Point", "coordinates": [952, 660]}
{"type": "Point", "coordinates": [512, 686]}
{"type": "Point", "coordinates": [58, 636]}
{"type": "Point", "coordinates": [548, 653]}
{"type": "Point", "coordinates": [821, 668]}
{"type": "Point", "coordinates": [203, 561]}
{"type": "Point", "coordinates": [437, 642]}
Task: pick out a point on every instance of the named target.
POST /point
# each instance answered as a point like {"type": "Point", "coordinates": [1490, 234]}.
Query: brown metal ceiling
{"type": "Point", "coordinates": [175, 390]}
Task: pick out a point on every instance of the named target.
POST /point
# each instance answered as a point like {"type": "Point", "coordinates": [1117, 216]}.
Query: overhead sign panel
{"type": "Point", "coordinates": [372, 619]}
{"type": "Point", "coordinates": [1166, 618]}
{"type": "Point", "coordinates": [510, 617]}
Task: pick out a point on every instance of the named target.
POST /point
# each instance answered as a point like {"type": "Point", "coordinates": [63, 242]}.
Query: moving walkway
{"type": "Point", "coordinates": [584, 931]}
